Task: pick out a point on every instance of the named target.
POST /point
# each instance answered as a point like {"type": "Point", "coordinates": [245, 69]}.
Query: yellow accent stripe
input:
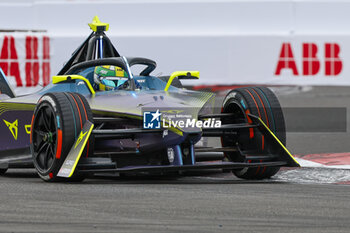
{"type": "Point", "coordinates": [180, 73]}
{"type": "Point", "coordinates": [81, 150]}
{"type": "Point", "coordinates": [5, 107]}
{"type": "Point", "coordinates": [290, 155]}
{"type": "Point", "coordinates": [63, 78]}
{"type": "Point", "coordinates": [102, 87]}
{"type": "Point", "coordinates": [172, 128]}
{"type": "Point", "coordinates": [28, 128]}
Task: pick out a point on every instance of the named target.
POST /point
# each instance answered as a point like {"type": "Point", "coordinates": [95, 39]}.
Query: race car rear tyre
{"type": "Point", "coordinates": [261, 102]}
{"type": "Point", "coordinates": [57, 122]}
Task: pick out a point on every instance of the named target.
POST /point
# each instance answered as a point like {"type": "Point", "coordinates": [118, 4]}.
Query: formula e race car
{"type": "Point", "coordinates": [98, 116]}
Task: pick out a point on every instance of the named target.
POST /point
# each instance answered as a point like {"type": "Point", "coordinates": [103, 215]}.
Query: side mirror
{"type": "Point", "coordinates": [181, 75]}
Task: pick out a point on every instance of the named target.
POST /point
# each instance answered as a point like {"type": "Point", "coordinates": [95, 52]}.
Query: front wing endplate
{"type": "Point", "coordinates": [72, 159]}
{"type": "Point", "coordinates": [271, 137]}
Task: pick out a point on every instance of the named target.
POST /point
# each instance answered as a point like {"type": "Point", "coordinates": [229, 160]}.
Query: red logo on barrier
{"type": "Point", "coordinates": [10, 67]}
{"type": "Point", "coordinates": [311, 63]}
{"type": "Point", "coordinates": [10, 64]}
{"type": "Point", "coordinates": [333, 64]}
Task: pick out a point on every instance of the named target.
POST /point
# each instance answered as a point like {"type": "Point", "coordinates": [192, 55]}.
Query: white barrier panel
{"type": "Point", "coordinates": [230, 41]}
{"type": "Point", "coordinates": [25, 60]}
{"type": "Point", "coordinates": [272, 60]}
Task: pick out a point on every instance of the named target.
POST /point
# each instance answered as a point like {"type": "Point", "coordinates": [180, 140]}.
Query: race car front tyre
{"type": "Point", "coordinates": [261, 102]}
{"type": "Point", "coordinates": [57, 122]}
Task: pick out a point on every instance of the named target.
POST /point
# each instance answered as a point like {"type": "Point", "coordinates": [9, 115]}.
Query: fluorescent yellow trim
{"type": "Point", "coordinates": [28, 128]}
{"type": "Point", "coordinates": [63, 78]}
{"type": "Point", "coordinates": [290, 155]}
{"type": "Point", "coordinates": [180, 73]}
{"type": "Point", "coordinates": [80, 138]}
{"type": "Point", "coordinates": [96, 23]}
{"type": "Point", "coordinates": [13, 127]}
{"type": "Point", "coordinates": [177, 131]}
{"type": "Point", "coordinates": [81, 150]}
{"type": "Point", "coordinates": [173, 129]}
{"type": "Point", "coordinates": [102, 87]}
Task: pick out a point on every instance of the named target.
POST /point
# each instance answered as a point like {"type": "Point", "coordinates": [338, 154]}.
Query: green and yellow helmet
{"type": "Point", "coordinates": [109, 77]}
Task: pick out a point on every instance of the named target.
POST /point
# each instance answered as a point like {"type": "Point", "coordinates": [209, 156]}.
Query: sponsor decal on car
{"type": "Point", "coordinates": [13, 127]}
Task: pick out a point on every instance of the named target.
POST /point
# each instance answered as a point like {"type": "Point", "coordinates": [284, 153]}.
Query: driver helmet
{"type": "Point", "coordinates": [109, 77]}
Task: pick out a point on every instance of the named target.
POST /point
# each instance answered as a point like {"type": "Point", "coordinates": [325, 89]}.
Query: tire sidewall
{"type": "Point", "coordinates": [49, 100]}
{"type": "Point", "coordinates": [251, 100]}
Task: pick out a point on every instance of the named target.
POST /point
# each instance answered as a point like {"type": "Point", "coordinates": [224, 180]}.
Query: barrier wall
{"type": "Point", "coordinates": [230, 42]}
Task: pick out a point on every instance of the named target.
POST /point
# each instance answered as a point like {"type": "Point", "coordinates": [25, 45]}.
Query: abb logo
{"type": "Point", "coordinates": [10, 62]}
{"type": "Point", "coordinates": [311, 63]}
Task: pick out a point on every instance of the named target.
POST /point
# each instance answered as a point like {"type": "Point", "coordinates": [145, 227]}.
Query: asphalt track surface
{"type": "Point", "coordinates": [293, 201]}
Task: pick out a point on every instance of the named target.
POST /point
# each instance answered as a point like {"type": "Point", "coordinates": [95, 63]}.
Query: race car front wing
{"type": "Point", "coordinates": [283, 158]}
